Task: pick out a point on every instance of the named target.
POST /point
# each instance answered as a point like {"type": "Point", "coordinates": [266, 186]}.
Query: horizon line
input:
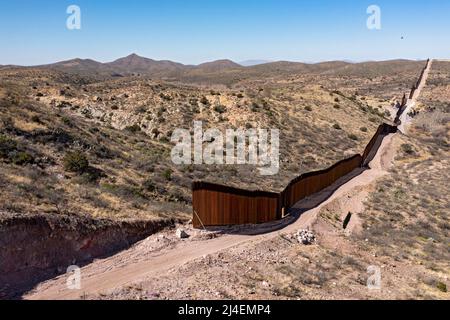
{"type": "Point", "coordinates": [263, 61]}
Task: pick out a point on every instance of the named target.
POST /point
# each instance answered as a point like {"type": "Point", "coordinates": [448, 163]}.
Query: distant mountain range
{"type": "Point", "coordinates": [220, 71]}
{"type": "Point", "coordinates": [249, 63]}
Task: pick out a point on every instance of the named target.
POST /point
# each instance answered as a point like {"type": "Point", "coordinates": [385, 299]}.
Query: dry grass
{"type": "Point", "coordinates": [407, 216]}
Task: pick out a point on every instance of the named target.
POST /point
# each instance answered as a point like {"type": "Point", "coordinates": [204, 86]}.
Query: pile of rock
{"type": "Point", "coordinates": [181, 234]}
{"type": "Point", "coordinates": [306, 237]}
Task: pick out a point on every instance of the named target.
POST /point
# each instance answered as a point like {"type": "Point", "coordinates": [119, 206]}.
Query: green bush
{"type": "Point", "coordinates": [363, 129]}
{"type": "Point", "coordinates": [337, 126]}
{"type": "Point", "coordinates": [76, 161]}
{"type": "Point", "coordinates": [336, 106]}
{"type": "Point", "coordinates": [308, 108]}
{"type": "Point", "coordinates": [353, 136]}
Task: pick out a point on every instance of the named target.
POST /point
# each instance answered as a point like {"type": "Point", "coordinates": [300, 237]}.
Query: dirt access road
{"type": "Point", "coordinates": [405, 118]}
{"type": "Point", "coordinates": [145, 260]}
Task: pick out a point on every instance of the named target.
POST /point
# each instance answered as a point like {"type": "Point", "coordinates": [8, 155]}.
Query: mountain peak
{"type": "Point", "coordinates": [134, 56]}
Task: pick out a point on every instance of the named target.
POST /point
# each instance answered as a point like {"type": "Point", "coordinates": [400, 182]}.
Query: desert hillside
{"type": "Point", "coordinates": [123, 125]}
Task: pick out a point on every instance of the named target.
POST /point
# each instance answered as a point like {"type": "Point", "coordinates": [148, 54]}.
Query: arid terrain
{"type": "Point", "coordinates": [85, 164]}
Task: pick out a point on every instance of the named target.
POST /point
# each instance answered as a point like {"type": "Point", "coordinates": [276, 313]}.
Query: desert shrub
{"type": "Point", "coordinates": [195, 109]}
{"type": "Point", "coordinates": [337, 126]}
{"type": "Point", "coordinates": [336, 100]}
{"type": "Point", "coordinates": [94, 130]}
{"type": "Point", "coordinates": [148, 185]}
{"type": "Point", "coordinates": [168, 174]}
{"type": "Point", "coordinates": [407, 148]}
{"type": "Point", "coordinates": [8, 123]}
{"type": "Point", "coordinates": [114, 107]}
{"type": "Point", "coordinates": [7, 146]}
{"type": "Point", "coordinates": [134, 128]}
{"type": "Point", "coordinates": [161, 111]}
{"type": "Point", "coordinates": [337, 107]}
{"type": "Point", "coordinates": [35, 118]}
{"type": "Point", "coordinates": [308, 108]}
{"type": "Point", "coordinates": [220, 109]}
{"type": "Point", "coordinates": [441, 286]}
{"type": "Point", "coordinates": [164, 139]}
{"type": "Point", "coordinates": [22, 158]}
{"type": "Point", "coordinates": [353, 136]}
{"type": "Point", "coordinates": [76, 161]}
{"type": "Point", "coordinates": [141, 109]}
{"type": "Point", "coordinates": [91, 175]}
{"type": "Point", "coordinates": [165, 97]}
{"type": "Point", "coordinates": [255, 107]}
{"type": "Point", "coordinates": [204, 101]}
{"type": "Point", "coordinates": [363, 129]}
{"type": "Point", "coordinates": [240, 95]}
{"type": "Point", "coordinates": [67, 121]}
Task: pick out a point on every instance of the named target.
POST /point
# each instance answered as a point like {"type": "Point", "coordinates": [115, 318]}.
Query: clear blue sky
{"type": "Point", "coordinates": [195, 31]}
